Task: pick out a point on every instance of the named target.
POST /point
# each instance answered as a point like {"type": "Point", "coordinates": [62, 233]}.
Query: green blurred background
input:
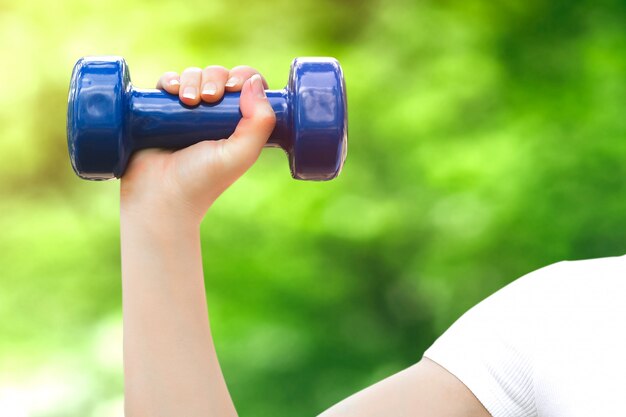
{"type": "Point", "coordinates": [487, 139]}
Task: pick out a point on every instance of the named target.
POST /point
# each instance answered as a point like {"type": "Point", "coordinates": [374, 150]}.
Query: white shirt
{"type": "Point", "coordinates": [552, 343]}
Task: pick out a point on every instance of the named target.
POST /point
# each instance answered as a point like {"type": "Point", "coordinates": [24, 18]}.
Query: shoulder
{"type": "Point", "coordinates": [489, 348]}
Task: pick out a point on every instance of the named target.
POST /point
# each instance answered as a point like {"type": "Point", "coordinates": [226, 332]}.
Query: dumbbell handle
{"type": "Point", "coordinates": [157, 119]}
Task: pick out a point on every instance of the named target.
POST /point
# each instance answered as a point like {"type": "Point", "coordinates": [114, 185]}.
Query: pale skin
{"type": "Point", "coordinates": [170, 365]}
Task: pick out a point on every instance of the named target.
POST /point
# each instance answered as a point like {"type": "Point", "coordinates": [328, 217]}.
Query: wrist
{"type": "Point", "coordinates": [158, 220]}
{"type": "Point", "coordinates": [143, 206]}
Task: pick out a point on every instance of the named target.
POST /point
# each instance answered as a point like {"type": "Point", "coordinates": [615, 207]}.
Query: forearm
{"type": "Point", "coordinates": [170, 364]}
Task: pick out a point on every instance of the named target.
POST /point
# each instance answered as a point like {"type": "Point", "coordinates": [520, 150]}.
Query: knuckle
{"type": "Point", "coordinates": [216, 68]}
{"type": "Point", "coordinates": [244, 68]}
{"type": "Point", "coordinates": [265, 117]}
{"type": "Point", "coordinates": [192, 71]}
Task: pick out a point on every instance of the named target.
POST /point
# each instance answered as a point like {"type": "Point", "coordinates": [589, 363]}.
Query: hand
{"type": "Point", "coordinates": [184, 183]}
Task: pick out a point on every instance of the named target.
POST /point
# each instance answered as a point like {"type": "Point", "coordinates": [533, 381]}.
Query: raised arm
{"type": "Point", "coordinates": [170, 364]}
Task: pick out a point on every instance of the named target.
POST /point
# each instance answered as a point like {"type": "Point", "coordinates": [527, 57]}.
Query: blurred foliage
{"type": "Point", "coordinates": [487, 139]}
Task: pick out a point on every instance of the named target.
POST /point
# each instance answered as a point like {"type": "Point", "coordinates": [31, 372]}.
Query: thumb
{"type": "Point", "coordinates": [257, 123]}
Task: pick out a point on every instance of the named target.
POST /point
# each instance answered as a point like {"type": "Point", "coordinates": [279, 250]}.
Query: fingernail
{"type": "Point", "coordinates": [190, 93]}
{"type": "Point", "coordinates": [232, 81]}
{"type": "Point", "coordinates": [174, 82]}
{"type": "Point", "coordinates": [209, 88]}
{"type": "Point", "coordinates": [257, 86]}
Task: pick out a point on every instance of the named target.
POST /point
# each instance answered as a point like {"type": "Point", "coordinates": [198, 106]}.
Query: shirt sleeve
{"type": "Point", "coordinates": [487, 349]}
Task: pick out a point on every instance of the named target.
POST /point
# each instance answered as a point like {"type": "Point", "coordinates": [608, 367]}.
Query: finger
{"type": "Point", "coordinates": [257, 123]}
{"type": "Point", "coordinates": [169, 82]}
{"type": "Point", "coordinates": [239, 75]}
{"type": "Point", "coordinates": [189, 91]}
{"type": "Point", "coordinates": [213, 80]}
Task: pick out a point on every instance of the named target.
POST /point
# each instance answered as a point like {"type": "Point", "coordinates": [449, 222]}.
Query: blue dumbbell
{"type": "Point", "coordinates": [108, 119]}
